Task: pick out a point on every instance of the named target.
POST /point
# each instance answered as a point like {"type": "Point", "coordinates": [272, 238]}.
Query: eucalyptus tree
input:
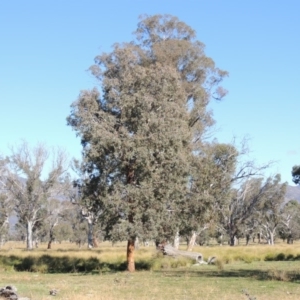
{"type": "Point", "coordinates": [289, 229]}
{"type": "Point", "coordinates": [78, 225]}
{"type": "Point", "coordinates": [140, 134]}
{"type": "Point", "coordinates": [270, 209]}
{"type": "Point", "coordinates": [236, 200]}
{"type": "Point", "coordinates": [243, 202]}
{"type": "Point", "coordinates": [56, 212]}
{"type": "Point", "coordinates": [209, 187]}
{"type": "Point", "coordinates": [254, 203]}
{"type": "Point", "coordinates": [26, 186]}
{"type": "Point", "coordinates": [88, 211]}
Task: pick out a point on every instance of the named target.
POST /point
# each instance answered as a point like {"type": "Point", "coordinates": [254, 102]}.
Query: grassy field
{"type": "Point", "coordinates": [262, 271]}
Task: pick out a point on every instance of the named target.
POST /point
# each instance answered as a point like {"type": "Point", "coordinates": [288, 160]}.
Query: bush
{"type": "Point", "coordinates": [297, 257]}
{"type": "Point", "coordinates": [280, 257]}
{"type": "Point", "coordinates": [290, 257]}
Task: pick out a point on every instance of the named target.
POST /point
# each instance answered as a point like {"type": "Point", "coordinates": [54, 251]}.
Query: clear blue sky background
{"type": "Point", "coordinates": [47, 47]}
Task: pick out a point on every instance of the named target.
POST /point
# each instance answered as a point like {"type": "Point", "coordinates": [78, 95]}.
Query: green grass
{"type": "Point", "coordinates": [97, 273]}
{"type": "Point", "coordinates": [204, 282]}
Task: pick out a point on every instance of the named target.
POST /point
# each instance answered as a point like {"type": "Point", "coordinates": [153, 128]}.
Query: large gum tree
{"type": "Point", "coordinates": [140, 134]}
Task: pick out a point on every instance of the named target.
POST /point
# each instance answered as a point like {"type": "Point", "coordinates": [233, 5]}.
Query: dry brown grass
{"type": "Point", "coordinates": [254, 252]}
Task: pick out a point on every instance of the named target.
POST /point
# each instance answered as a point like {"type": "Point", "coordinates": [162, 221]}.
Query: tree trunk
{"type": "Point", "coordinates": [90, 234]}
{"type": "Point", "coordinates": [220, 240]}
{"type": "Point", "coordinates": [290, 239]}
{"type": "Point", "coordinates": [232, 235]}
{"type": "Point", "coordinates": [259, 238]}
{"type": "Point", "coordinates": [137, 243]}
{"type": "Point", "coordinates": [130, 255]}
{"type": "Point", "coordinates": [51, 239]}
{"type": "Point", "coordinates": [176, 240]}
{"type": "Point", "coordinates": [29, 235]}
{"type": "Point", "coordinates": [271, 238]}
{"type": "Point", "coordinates": [49, 244]}
{"type": "Point", "coordinates": [247, 239]}
{"type": "Point", "coordinates": [192, 241]}
{"type": "Point", "coordinates": [232, 241]}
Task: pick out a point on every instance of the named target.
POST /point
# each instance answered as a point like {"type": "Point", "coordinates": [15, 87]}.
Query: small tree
{"type": "Point", "coordinates": [24, 183]}
{"type": "Point", "coordinates": [63, 231]}
{"type": "Point", "coordinates": [55, 213]}
{"type": "Point", "coordinates": [243, 190]}
{"type": "Point", "coordinates": [289, 229]}
{"type": "Point", "coordinates": [243, 203]}
{"type": "Point", "coordinates": [270, 209]}
{"type": "Point", "coordinates": [209, 187]}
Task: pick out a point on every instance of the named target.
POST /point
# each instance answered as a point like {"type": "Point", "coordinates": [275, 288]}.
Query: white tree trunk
{"type": "Point", "coordinates": [176, 240]}
{"type": "Point", "coordinates": [271, 238]}
{"type": "Point", "coordinates": [29, 235]}
{"type": "Point", "coordinates": [192, 241]}
{"type": "Point", "coordinates": [137, 243]}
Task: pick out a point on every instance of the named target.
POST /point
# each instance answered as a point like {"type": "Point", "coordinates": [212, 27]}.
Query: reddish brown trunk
{"type": "Point", "coordinates": [51, 239]}
{"type": "Point", "coordinates": [131, 242]}
{"type": "Point", "coordinates": [49, 245]}
{"type": "Point", "coordinates": [130, 256]}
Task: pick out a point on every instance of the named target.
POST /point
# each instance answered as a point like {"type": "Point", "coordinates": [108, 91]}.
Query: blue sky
{"type": "Point", "coordinates": [47, 47]}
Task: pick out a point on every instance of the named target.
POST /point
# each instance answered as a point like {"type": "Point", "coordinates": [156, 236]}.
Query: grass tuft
{"type": "Point", "coordinates": [279, 275]}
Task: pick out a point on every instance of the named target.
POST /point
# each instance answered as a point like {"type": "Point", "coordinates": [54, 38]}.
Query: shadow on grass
{"type": "Point", "coordinates": [65, 264]}
{"type": "Point", "coordinates": [93, 265]}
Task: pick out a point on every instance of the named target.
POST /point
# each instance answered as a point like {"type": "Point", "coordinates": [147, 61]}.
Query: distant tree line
{"type": "Point", "coordinates": [254, 210]}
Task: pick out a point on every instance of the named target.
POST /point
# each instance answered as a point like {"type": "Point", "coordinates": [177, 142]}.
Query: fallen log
{"type": "Point", "coordinates": [171, 251]}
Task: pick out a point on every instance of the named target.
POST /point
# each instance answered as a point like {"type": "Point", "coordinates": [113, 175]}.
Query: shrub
{"type": "Point", "coordinates": [280, 257]}
{"type": "Point", "coordinates": [290, 257]}
{"type": "Point", "coordinates": [297, 257]}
